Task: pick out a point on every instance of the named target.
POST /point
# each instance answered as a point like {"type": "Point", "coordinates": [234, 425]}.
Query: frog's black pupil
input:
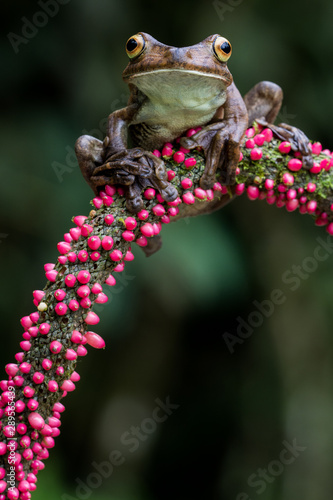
{"type": "Point", "coordinates": [225, 47]}
{"type": "Point", "coordinates": [131, 45]}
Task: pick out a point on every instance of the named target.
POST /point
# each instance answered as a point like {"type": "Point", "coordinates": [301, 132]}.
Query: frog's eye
{"type": "Point", "coordinates": [135, 45]}
{"type": "Point", "coordinates": [222, 48]}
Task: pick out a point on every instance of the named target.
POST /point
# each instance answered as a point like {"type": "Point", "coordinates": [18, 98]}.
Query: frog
{"type": "Point", "coordinates": [172, 90]}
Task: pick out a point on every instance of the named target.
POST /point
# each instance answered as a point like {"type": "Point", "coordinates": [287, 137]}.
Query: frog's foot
{"type": "Point", "coordinates": [153, 245]}
{"type": "Point", "coordinates": [90, 153]}
{"type": "Point", "coordinates": [298, 140]}
{"type": "Point", "coordinates": [136, 169]}
{"type": "Point", "coordinates": [222, 151]}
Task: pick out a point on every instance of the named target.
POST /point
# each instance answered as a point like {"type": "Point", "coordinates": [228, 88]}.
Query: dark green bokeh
{"type": "Point", "coordinates": [164, 326]}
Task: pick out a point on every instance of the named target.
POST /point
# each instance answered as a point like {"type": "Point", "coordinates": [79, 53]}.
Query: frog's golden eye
{"type": "Point", "coordinates": [135, 45]}
{"type": "Point", "coordinates": [222, 48]}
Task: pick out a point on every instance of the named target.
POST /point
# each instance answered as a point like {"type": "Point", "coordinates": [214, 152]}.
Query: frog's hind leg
{"type": "Point", "coordinates": [263, 103]}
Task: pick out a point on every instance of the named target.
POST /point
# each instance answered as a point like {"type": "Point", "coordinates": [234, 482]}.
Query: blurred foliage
{"type": "Point", "coordinates": [164, 327]}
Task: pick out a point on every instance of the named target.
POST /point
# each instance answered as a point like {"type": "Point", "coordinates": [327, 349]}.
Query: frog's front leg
{"type": "Point", "coordinates": [263, 104]}
{"type": "Point", "coordinates": [112, 163]}
{"type": "Point", "coordinates": [221, 139]}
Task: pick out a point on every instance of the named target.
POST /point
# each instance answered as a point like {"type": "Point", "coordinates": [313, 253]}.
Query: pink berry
{"type": "Point", "coordinates": [73, 305]}
{"type": "Point", "coordinates": [94, 340]}
{"type": "Point", "coordinates": [83, 277]}
{"type": "Point", "coordinates": [116, 255]}
{"type": "Point", "coordinates": [107, 243]}
{"type": "Point", "coordinates": [259, 139]}
{"type": "Point", "coordinates": [91, 318]}
{"type": "Point", "coordinates": [79, 220]}
{"type": "Point", "coordinates": [52, 386]}
{"type": "Point", "coordinates": [76, 337]}
{"type": "Point", "coordinates": [288, 179]}
{"type": "Point", "coordinates": [173, 211]}
{"type": "Point", "coordinates": [60, 294]}
{"type": "Point", "coordinates": [240, 188]}
{"type": "Point", "coordinates": [256, 154]}
{"type": "Point", "coordinates": [51, 275]}
{"type": "Point", "coordinates": [147, 230]}
{"type": "Point", "coordinates": [95, 256]}
{"type": "Point", "coordinates": [101, 298]}
{"type": "Point", "coordinates": [179, 157]}
{"type": "Point", "coordinates": [186, 183]}
{"type": "Point", "coordinates": [25, 367]}
{"type": "Point", "coordinates": [86, 230]}
{"type": "Point", "coordinates": [292, 205]}
{"type": "Point", "coordinates": [141, 241]}
{"type": "Point", "coordinates": [61, 308]}
{"type": "Point", "coordinates": [108, 219]}
{"type": "Point", "coordinates": [159, 210]}
{"type": "Point", "coordinates": [311, 206]}
{"type": "Point", "coordinates": [32, 404]}
{"type": "Point", "coordinates": [11, 369]}
{"type": "Point", "coordinates": [188, 198]}
{"type": "Point", "coordinates": [47, 364]}
{"type": "Point", "coordinates": [156, 153]}
{"type": "Point", "coordinates": [284, 147]}
{"type": "Point", "coordinates": [130, 223]}
{"type": "Point", "coordinates": [316, 148]}
{"type": "Point", "coordinates": [171, 175]}
{"type": "Point", "coordinates": [71, 256]}
{"type": "Point", "coordinates": [128, 235]}
{"type": "Point", "coordinates": [269, 183]}
{"type": "Point", "coordinates": [190, 162]}
{"type": "Point", "coordinates": [81, 350]}
{"type": "Point", "coordinates": [329, 228]}
{"type": "Point", "coordinates": [252, 192]}
{"type": "Point", "coordinates": [63, 247]}
{"type": "Point", "coordinates": [38, 295]}
{"type": "Point", "coordinates": [38, 378]}
{"type": "Point", "coordinates": [311, 187]}
{"type": "Point", "coordinates": [83, 256]}
{"type": "Point", "coordinates": [110, 280]}
{"type": "Point", "coordinates": [94, 242]}
{"type": "Point", "coordinates": [55, 346]}
{"type": "Point", "coordinates": [83, 291]}
{"type": "Point", "coordinates": [268, 134]}
{"type": "Point", "coordinates": [98, 202]}
{"type": "Point", "coordinates": [25, 345]}
{"type": "Point", "coordinates": [36, 420]}
{"type": "Point", "coordinates": [68, 386]}
{"type": "Point", "coordinates": [291, 194]}
{"type": "Point", "coordinates": [250, 144]}
{"type": "Point", "coordinates": [143, 214]}
{"type": "Point", "coordinates": [149, 193]}
{"type": "Point", "coordinates": [294, 164]}
{"type": "Point", "coordinates": [200, 193]}
{"type": "Point", "coordinates": [167, 151]}
{"type": "Point", "coordinates": [70, 354]}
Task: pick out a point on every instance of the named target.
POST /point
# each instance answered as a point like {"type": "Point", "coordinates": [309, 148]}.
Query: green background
{"type": "Point", "coordinates": [165, 325]}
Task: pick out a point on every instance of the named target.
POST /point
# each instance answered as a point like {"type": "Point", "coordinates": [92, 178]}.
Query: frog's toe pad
{"type": "Point", "coordinates": [169, 193]}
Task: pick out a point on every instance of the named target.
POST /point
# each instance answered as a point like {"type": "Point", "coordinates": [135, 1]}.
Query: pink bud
{"type": "Point", "coordinates": [49, 266]}
{"type": "Point", "coordinates": [188, 198]}
{"type": "Point", "coordinates": [19, 406]}
{"type": "Point", "coordinates": [86, 229]}
{"type": "Point", "coordinates": [11, 369]}
{"type": "Point", "coordinates": [101, 298]}
{"type": "Point", "coordinates": [120, 267]}
{"type": "Point", "coordinates": [129, 256]}
{"type": "Point", "coordinates": [292, 205]}
{"type": "Point", "coordinates": [25, 367]}
{"type": "Point", "coordinates": [294, 164]}
{"type": "Point", "coordinates": [190, 162]}
{"type": "Point", "coordinates": [26, 322]}
{"type": "Point", "coordinates": [91, 318]}
{"type": "Point", "coordinates": [18, 381]}
{"type": "Point", "coordinates": [165, 219]}
{"type": "Point", "coordinates": [71, 256]}
{"type": "Point", "coordinates": [75, 233]}
{"type": "Point", "coordinates": [19, 356]}
{"type": "Point", "coordinates": [94, 242]}
{"type": "Point", "coordinates": [156, 153]}
{"type": "Point", "coordinates": [98, 202]}
{"type": "Point", "coordinates": [83, 291]}
{"type": "Point", "coordinates": [38, 378]}
{"type": "Point", "coordinates": [32, 404]}
{"type": "Point", "coordinates": [143, 214]}
{"type": "Point", "coordinates": [55, 346]}
{"type": "Point", "coordinates": [141, 241]}
{"type": "Point", "coordinates": [149, 193]}
{"type": "Point", "coordinates": [316, 148]}
{"type": "Point", "coordinates": [70, 354]}
{"type": "Point", "coordinates": [130, 223]}
{"type": "Point", "coordinates": [83, 256]}
{"type": "Point", "coordinates": [96, 288]}
{"type": "Point", "coordinates": [76, 337]}
{"type": "Point", "coordinates": [68, 386]}
{"type": "Point", "coordinates": [116, 255]}
{"type": "Point", "coordinates": [70, 280]}
{"type": "Point", "coordinates": [83, 277]}
{"type": "Point", "coordinates": [311, 187]}
{"type": "Point", "coordinates": [291, 194]}
{"type": "Point", "coordinates": [311, 206]}
{"type": "Point", "coordinates": [128, 235]}
{"type": "Point", "coordinates": [186, 183]}
{"type": "Point", "coordinates": [51, 275]}
{"type": "Point", "coordinates": [25, 345]}
{"type": "Point", "coordinates": [13, 494]}
{"type": "Point", "coordinates": [47, 364]}
{"type": "Point", "coordinates": [61, 308]}
{"type": "Point", "coordinates": [94, 340]}
{"type": "Point", "coordinates": [108, 219]}
{"type": "Point", "coordinates": [38, 295]}
{"type": "Point", "coordinates": [107, 242]}
{"type": "Point", "coordinates": [74, 305]}
{"type": "Point", "coordinates": [171, 174]}
{"type": "Point", "coordinates": [28, 391]}
{"type": "Point", "coordinates": [36, 420]}
{"type": "Point", "coordinates": [63, 247]}
{"type": "Point", "coordinates": [167, 151]}
{"type": "Point", "coordinates": [59, 294]}
{"type": "Point", "coordinates": [110, 280]}
{"type": "Point", "coordinates": [52, 386]}
{"type": "Point", "coordinates": [200, 193]}
{"type": "Point", "coordinates": [179, 157]}
{"type": "Point", "coordinates": [79, 220]}
{"type": "Point", "coordinates": [256, 154]}
{"type": "Point", "coordinates": [252, 192]}
{"type": "Point", "coordinates": [81, 350]}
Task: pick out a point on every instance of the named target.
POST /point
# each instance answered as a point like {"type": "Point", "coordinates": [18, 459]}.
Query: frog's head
{"type": "Point", "coordinates": [206, 60]}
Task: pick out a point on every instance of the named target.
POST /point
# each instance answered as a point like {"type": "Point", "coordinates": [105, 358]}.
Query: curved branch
{"type": "Point", "coordinates": [94, 250]}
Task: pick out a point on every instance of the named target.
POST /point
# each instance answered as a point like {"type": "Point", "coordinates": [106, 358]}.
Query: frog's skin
{"type": "Point", "coordinates": [172, 90]}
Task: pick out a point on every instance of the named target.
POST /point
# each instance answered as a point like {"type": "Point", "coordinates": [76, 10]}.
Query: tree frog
{"type": "Point", "coordinates": [172, 90]}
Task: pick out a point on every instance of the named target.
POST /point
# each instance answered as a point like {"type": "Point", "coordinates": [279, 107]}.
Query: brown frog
{"type": "Point", "coordinates": [171, 90]}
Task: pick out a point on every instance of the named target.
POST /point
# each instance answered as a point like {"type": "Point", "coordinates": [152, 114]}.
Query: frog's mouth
{"type": "Point", "coordinates": [173, 73]}
{"type": "Point", "coordinates": [182, 89]}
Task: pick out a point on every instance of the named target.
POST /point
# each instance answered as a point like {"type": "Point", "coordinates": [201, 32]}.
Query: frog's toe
{"type": "Point", "coordinates": [188, 143]}
{"type": "Point", "coordinates": [169, 193]}
{"type": "Point", "coordinates": [207, 181]}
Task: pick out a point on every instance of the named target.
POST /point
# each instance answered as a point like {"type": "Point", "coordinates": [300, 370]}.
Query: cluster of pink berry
{"type": "Point", "coordinates": [293, 189]}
